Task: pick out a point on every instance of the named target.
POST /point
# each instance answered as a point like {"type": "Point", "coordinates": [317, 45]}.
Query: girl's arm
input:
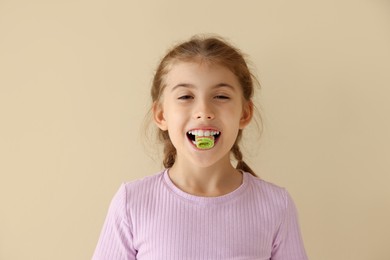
{"type": "Point", "coordinates": [288, 243]}
{"type": "Point", "coordinates": [116, 239]}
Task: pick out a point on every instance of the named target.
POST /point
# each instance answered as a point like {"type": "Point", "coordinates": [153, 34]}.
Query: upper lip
{"type": "Point", "coordinates": [210, 128]}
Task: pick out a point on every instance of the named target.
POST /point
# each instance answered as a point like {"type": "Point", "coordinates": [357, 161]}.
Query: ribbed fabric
{"type": "Point", "coordinates": [152, 219]}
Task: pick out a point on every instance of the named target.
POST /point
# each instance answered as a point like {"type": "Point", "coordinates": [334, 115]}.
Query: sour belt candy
{"type": "Point", "coordinates": [204, 142]}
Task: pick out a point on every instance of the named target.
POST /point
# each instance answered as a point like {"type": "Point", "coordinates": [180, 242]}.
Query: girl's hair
{"type": "Point", "coordinates": [213, 50]}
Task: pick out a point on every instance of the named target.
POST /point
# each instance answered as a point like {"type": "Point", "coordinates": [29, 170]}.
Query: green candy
{"type": "Point", "coordinates": [204, 142]}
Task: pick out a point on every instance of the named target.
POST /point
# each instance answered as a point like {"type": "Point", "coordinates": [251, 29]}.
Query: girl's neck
{"type": "Point", "coordinates": [216, 180]}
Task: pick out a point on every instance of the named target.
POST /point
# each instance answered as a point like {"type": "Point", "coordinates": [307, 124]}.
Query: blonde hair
{"type": "Point", "coordinates": [213, 50]}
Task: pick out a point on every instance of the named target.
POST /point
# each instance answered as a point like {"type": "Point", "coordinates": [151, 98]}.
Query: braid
{"type": "Point", "coordinates": [169, 156]}
{"type": "Point", "coordinates": [241, 165]}
{"type": "Point", "coordinates": [169, 150]}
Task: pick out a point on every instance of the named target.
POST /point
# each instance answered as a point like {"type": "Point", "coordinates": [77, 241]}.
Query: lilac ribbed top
{"type": "Point", "coordinates": [152, 219]}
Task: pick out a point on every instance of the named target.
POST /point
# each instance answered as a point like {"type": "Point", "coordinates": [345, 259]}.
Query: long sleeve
{"type": "Point", "coordinates": [288, 242]}
{"type": "Point", "coordinates": [116, 240]}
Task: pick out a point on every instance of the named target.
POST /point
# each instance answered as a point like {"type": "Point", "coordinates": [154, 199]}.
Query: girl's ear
{"type": "Point", "coordinates": [158, 116]}
{"type": "Point", "coordinates": [247, 114]}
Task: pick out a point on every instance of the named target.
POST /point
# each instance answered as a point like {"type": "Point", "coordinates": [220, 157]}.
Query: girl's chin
{"type": "Point", "coordinates": [204, 158]}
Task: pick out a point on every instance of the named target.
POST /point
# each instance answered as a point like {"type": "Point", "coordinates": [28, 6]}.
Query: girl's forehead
{"type": "Point", "coordinates": [198, 63]}
{"type": "Point", "coordinates": [195, 72]}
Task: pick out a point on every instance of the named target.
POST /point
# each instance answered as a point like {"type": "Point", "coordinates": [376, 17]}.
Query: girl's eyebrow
{"type": "Point", "coordinates": [184, 85]}
{"type": "Point", "coordinates": [187, 85]}
{"type": "Point", "coordinates": [221, 85]}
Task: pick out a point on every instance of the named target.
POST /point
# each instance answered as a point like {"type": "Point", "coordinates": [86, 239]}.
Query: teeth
{"type": "Point", "coordinates": [203, 132]}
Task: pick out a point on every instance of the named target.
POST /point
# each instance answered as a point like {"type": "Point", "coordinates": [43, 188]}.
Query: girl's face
{"type": "Point", "coordinates": [206, 97]}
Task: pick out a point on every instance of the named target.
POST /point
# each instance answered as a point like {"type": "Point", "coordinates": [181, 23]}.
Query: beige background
{"type": "Point", "coordinates": [74, 89]}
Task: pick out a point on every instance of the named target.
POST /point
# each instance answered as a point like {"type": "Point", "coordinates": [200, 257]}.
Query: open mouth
{"type": "Point", "coordinates": [203, 139]}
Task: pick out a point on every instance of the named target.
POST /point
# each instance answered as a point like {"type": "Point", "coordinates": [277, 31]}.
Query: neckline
{"type": "Point", "coordinates": [205, 200]}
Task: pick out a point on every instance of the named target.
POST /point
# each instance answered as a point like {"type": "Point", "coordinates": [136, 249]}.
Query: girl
{"type": "Point", "coordinates": [200, 206]}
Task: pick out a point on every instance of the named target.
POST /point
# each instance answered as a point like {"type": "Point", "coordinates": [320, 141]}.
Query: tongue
{"type": "Point", "coordinates": [204, 142]}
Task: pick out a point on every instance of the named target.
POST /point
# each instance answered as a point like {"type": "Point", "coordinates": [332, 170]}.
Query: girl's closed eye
{"type": "Point", "coordinates": [185, 97]}
{"type": "Point", "coordinates": [223, 97]}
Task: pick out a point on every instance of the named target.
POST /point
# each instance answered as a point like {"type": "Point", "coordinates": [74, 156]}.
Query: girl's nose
{"type": "Point", "coordinates": [204, 111]}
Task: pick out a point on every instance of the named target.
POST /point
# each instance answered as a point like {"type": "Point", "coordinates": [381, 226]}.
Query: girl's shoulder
{"type": "Point", "coordinates": [263, 184]}
{"type": "Point", "coordinates": [144, 184]}
{"type": "Point", "coordinates": [268, 191]}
